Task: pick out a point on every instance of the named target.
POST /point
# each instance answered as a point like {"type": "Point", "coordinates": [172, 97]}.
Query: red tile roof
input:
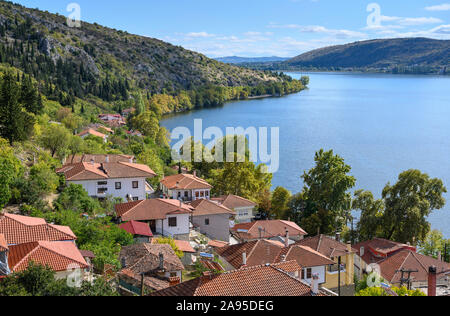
{"type": "Point", "coordinates": [153, 209]}
{"type": "Point", "coordinates": [22, 229]}
{"type": "Point", "coordinates": [59, 256]}
{"type": "Point", "coordinates": [304, 256]}
{"type": "Point", "coordinates": [409, 260]}
{"type": "Point", "coordinates": [327, 246]}
{"type": "Point", "coordinates": [3, 243]}
{"type": "Point", "coordinates": [258, 252]}
{"type": "Point", "coordinates": [93, 132]}
{"type": "Point", "coordinates": [185, 182]}
{"type": "Point", "coordinates": [217, 243]}
{"type": "Point", "coordinates": [234, 201]}
{"type": "Point", "coordinates": [270, 229]}
{"type": "Point", "coordinates": [137, 228]}
{"type": "Point", "coordinates": [206, 207]}
{"type": "Point", "coordinates": [261, 281]}
{"type": "Point", "coordinates": [211, 265]}
{"type": "Point", "coordinates": [184, 246]}
{"type": "Point", "coordinates": [378, 249]}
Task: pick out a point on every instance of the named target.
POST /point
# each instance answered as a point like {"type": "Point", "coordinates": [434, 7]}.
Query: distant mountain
{"type": "Point", "coordinates": [415, 55]}
{"type": "Point", "coordinates": [248, 60]}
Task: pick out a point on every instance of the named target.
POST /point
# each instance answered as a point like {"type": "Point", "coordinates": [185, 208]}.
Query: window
{"type": "Point", "coordinates": [303, 274]}
{"type": "Point", "coordinates": [135, 184]}
{"type": "Point", "coordinates": [102, 183]}
{"type": "Point", "coordinates": [173, 274]}
{"type": "Point", "coordinates": [136, 198]}
{"type": "Point", "coordinates": [207, 221]}
{"type": "Point", "coordinates": [202, 194]}
{"type": "Point", "coordinates": [197, 194]}
{"type": "Point", "coordinates": [309, 274]}
{"type": "Point", "coordinates": [186, 194]}
{"type": "Point", "coordinates": [118, 185]}
{"type": "Point", "coordinates": [172, 222]}
{"type": "Point", "coordinates": [207, 193]}
{"type": "Point", "coordinates": [102, 190]}
{"type": "Point", "coordinates": [179, 195]}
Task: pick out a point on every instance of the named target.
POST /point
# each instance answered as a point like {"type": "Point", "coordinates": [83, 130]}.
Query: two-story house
{"type": "Point", "coordinates": [245, 209]}
{"type": "Point", "coordinates": [126, 180]}
{"type": "Point", "coordinates": [165, 217]}
{"type": "Point", "coordinates": [185, 187]}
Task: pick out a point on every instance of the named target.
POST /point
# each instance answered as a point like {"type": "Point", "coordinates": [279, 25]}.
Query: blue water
{"type": "Point", "coordinates": [381, 125]}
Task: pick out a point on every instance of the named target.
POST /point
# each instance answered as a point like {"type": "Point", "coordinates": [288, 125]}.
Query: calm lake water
{"type": "Point", "coordinates": [381, 124]}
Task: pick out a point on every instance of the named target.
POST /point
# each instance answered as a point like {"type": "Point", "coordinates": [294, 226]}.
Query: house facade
{"type": "Point", "coordinates": [245, 209]}
{"type": "Point", "coordinates": [212, 219]}
{"type": "Point", "coordinates": [170, 218]}
{"type": "Point", "coordinates": [185, 187]}
{"type": "Point", "coordinates": [125, 180]}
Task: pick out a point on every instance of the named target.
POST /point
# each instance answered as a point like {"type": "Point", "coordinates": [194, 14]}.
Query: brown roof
{"type": "Point", "coordinates": [152, 209]}
{"type": "Point", "coordinates": [184, 246]}
{"type": "Point", "coordinates": [206, 207]}
{"type": "Point", "coordinates": [87, 254]}
{"type": "Point", "coordinates": [234, 201]}
{"type": "Point", "coordinates": [217, 243]}
{"type": "Point", "coordinates": [73, 159]}
{"type": "Point", "coordinates": [23, 229]}
{"type": "Point", "coordinates": [274, 228]}
{"type": "Point", "coordinates": [325, 245]}
{"type": "Point", "coordinates": [409, 260]}
{"type": "Point", "coordinates": [211, 265]}
{"type": "Point", "coordinates": [185, 182]}
{"type": "Point", "coordinates": [3, 243]}
{"type": "Point", "coordinates": [59, 256]}
{"type": "Point", "coordinates": [144, 258]}
{"type": "Point", "coordinates": [101, 171]}
{"type": "Point", "coordinates": [378, 249]}
{"type": "Point", "coordinates": [261, 281]}
{"type": "Point", "coordinates": [150, 282]}
{"type": "Point", "coordinates": [258, 252]}
{"type": "Point", "coordinates": [304, 256]}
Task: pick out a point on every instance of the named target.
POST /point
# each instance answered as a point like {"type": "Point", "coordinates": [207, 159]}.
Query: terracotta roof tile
{"type": "Point", "coordinates": [325, 245]}
{"type": "Point", "coordinates": [274, 228]}
{"type": "Point", "coordinates": [93, 132]}
{"type": "Point", "coordinates": [217, 243]}
{"type": "Point", "coordinates": [22, 229]}
{"type": "Point", "coordinates": [258, 281]}
{"type": "Point", "coordinates": [184, 246]}
{"type": "Point", "coordinates": [151, 283]}
{"type": "Point", "coordinates": [137, 228]}
{"type": "Point", "coordinates": [59, 256]}
{"type": "Point", "coordinates": [304, 256]}
{"type": "Point", "coordinates": [378, 249]}
{"type": "Point", "coordinates": [234, 201]}
{"type": "Point", "coordinates": [144, 258]}
{"type": "Point", "coordinates": [152, 209]}
{"type": "Point", "coordinates": [185, 182]}
{"type": "Point", "coordinates": [3, 243]}
{"type": "Point", "coordinates": [211, 265]}
{"type": "Point", "coordinates": [206, 207]}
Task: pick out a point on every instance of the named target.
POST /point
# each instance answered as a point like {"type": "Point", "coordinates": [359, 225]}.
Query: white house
{"type": "Point", "coordinates": [185, 187]}
{"type": "Point", "coordinates": [93, 132]}
{"type": "Point", "coordinates": [166, 217]}
{"type": "Point", "coordinates": [126, 180]}
{"type": "Point", "coordinates": [245, 209]}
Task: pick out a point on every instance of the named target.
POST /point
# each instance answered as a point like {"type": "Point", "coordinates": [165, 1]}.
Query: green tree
{"type": "Point", "coordinates": [16, 124]}
{"type": "Point", "coordinates": [377, 291]}
{"type": "Point", "coordinates": [408, 203]}
{"type": "Point", "coordinates": [10, 169]}
{"type": "Point", "coordinates": [435, 244]}
{"type": "Point", "coordinates": [326, 197]}
{"type": "Point", "coordinates": [56, 138]}
{"type": "Point", "coordinates": [75, 198]}
{"type": "Point", "coordinates": [372, 210]}
{"type": "Point", "coordinates": [171, 242]}
{"type": "Point", "coordinates": [280, 202]}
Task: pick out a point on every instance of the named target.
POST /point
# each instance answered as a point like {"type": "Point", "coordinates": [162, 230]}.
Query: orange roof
{"type": "Point", "coordinates": [184, 246]}
{"type": "Point", "coordinates": [304, 256]}
{"type": "Point", "coordinates": [217, 243]}
{"type": "Point", "coordinates": [152, 209]}
{"type": "Point", "coordinates": [325, 245]}
{"type": "Point", "coordinates": [378, 249]}
{"type": "Point", "coordinates": [74, 159]}
{"type": "Point", "coordinates": [206, 207]}
{"type": "Point", "coordinates": [107, 170]}
{"type": "Point", "coordinates": [409, 260]}
{"type": "Point", "coordinates": [270, 229]}
{"type": "Point", "coordinates": [22, 229]}
{"type": "Point", "coordinates": [137, 228]}
{"type": "Point", "coordinates": [59, 256]}
{"type": "Point", "coordinates": [234, 201]}
{"type": "Point", "coordinates": [3, 243]}
{"type": "Point", "coordinates": [92, 132]}
{"type": "Point", "coordinates": [260, 281]}
{"type": "Point", "coordinates": [185, 182]}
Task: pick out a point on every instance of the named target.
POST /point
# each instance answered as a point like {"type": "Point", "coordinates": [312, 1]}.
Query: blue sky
{"type": "Point", "coordinates": [263, 27]}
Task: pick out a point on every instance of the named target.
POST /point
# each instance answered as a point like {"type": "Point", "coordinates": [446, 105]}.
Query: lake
{"type": "Point", "coordinates": [380, 124]}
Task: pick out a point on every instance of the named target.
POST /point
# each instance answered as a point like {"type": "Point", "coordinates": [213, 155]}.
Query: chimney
{"type": "Point", "coordinates": [161, 261]}
{"type": "Point", "coordinates": [244, 259]}
{"type": "Point", "coordinates": [107, 159]}
{"type": "Point", "coordinates": [286, 241]}
{"type": "Point", "coordinates": [362, 251]}
{"type": "Point", "coordinates": [131, 160]}
{"type": "Point", "coordinates": [195, 173]}
{"type": "Point", "coordinates": [92, 161]}
{"type": "Point", "coordinates": [432, 283]}
{"type": "Point", "coordinates": [260, 229]}
{"type": "Point", "coordinates": [349, 247]}
{"type": "Point", "coordinates": [439, 256]}
{"type": "Point", "coordinates": [174, 281]}
{"type": "Point", "coordinates": [338, 237]}
{"type": "Point", "coordinates": [315, 284]}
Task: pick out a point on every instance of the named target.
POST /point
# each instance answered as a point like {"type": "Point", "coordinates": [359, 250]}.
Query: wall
{"type": "Point", "coordinates": [321, 271]}
{"type": "Point", "coordinates": [347, 276]}
{"type": "Point", "coordinates": [244, 218]}
{"type": "Point", "coordinates": [91, 186]}
{"type": "Point", "coordinates": [183, 220]}
{"type": "Point", "coordinates": [218, 228]}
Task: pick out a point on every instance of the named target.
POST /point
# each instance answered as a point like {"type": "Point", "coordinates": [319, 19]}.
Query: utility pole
{"type": "Point", "coordinates": [339, 275]}
{"type": "Point", "coordinates": [406, 280]}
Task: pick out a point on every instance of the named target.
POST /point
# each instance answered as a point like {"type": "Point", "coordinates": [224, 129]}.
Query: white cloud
{"type": "Point", "coordinates": [440, 7]}
{"type": "Point", "coordinates": [199, 35]}
{"type": "Point", "coordinates": [320, 29]}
